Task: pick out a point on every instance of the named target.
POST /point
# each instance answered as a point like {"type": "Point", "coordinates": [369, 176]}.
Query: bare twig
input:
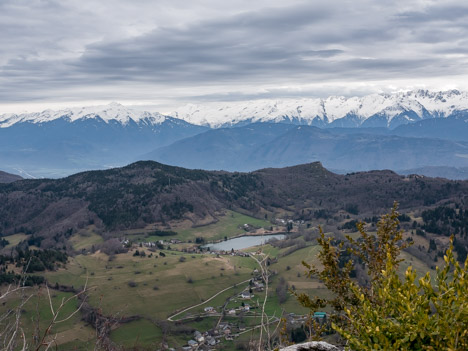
{"type": "Point", "coordinates": [11, 320]}
{"type": "Point", "coordinates": [264, 271]}
{"type": "Point", "coordinates": [55, 314]}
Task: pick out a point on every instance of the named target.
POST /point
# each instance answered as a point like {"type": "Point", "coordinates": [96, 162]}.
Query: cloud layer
{"type": "Point", "coordinates": [169, 52]}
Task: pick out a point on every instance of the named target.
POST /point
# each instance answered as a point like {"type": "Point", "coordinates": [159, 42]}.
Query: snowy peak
{"type": "Point", "coordinates": [377, 110]}
{"type": "Point", "coordinates": [111, 112]}
{"type": "Point", "coordinates": [335, 110]}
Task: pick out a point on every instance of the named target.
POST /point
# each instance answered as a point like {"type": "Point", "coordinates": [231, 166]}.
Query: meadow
{"type": "Point", "coordinates": [148, 289]}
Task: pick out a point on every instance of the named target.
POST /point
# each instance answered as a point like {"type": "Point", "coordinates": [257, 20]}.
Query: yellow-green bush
{"type": "Point", "coordinates": [391, 313]}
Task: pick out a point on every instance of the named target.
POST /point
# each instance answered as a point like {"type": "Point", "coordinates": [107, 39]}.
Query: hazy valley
{"type": "Point", "coordinates": [391, 131]}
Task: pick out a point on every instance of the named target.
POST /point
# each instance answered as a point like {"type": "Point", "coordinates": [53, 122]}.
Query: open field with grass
{"type": "Point", "coordinates": [15, 239]}
{"type": "Point", "coordinates": [227, 226]}
{"type": "Point", "coordinates": [137, 332]}
{"type": "Point", "coordinates": [85, 239]}
{"type": "Point", "coordinates": [163, 282]}
{"type": "Point", "coordinates": [150, 286]}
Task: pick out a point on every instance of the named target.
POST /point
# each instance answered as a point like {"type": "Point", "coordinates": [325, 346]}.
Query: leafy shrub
{"type": "Point", "coordinates": [391, 313]}
{"type": "Point", "coordinates": [409, 314]}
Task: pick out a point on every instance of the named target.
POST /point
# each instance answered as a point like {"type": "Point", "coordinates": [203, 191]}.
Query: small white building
{"type": "Point", "coordinates": [209, 309]}
{"type": "Point", "coordinates": [245, 295]}
{"type": "Point", "coordinates": [192, 343]}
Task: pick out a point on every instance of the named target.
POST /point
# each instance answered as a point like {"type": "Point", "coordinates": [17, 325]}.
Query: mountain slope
{"type": "Point", "coordinates": [376, 110]}
{"type": "Point", "coordinates": [149, 192]}
{"type": "Point", "coordinates": [226, 148]}
{"type": "Point", "coordinates": [8, 178]}
{"type": "Point", "coordinates": [59, 143]}
{"type": "Point", "coordinates": [455, 128]}
{"type": "Point", "coordinates": [240, 149]}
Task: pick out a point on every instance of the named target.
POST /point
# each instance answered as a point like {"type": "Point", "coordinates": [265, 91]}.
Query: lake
{"type": "Point", "coordinates": [243, 242]}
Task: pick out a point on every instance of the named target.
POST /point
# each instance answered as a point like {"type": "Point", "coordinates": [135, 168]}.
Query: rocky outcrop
{"type": "Point", "coordinates": [312, 346]}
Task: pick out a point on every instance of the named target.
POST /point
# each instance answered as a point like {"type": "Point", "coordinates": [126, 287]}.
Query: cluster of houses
{"type": "Point", "coordinates": [209, 339]}
{"type": "Point", "coordinates": [228, 331]}
{"type": "Point", "coordinates": [233, 311]}
{"type": "Point", "coordinates": [201, 341]}
{"type": "Point", "coordinates": [230, 253]}
{"type": "Point", "coordinates": [199, 250]}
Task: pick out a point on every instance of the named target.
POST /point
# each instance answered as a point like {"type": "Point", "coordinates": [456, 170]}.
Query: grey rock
{"type": "Point", "coordinates": [312, 346]}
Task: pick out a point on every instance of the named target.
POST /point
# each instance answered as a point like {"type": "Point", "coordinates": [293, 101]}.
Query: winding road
{"type": "Point", "coordinates": [170, 318]}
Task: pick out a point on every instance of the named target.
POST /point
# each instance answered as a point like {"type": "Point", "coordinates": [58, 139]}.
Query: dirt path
{"type": "Point", "coordinates": [170, 318]}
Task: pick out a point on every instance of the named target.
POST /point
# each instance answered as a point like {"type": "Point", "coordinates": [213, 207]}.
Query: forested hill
{"type": "Point", "coordinates": [149, 192]}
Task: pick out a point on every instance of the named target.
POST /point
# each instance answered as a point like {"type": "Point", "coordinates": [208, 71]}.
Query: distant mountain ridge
{"type": "Point", "coordinates": [438, 171]}
{"type": "Point", "coordinates": [279, 145]}
{"type": "Point", "coordinates": [114, 112]}
{"type": "Point", "coordinates": [8, 177]}
{"type": "Point", "coordinates": [58, 143]}
{"type": "Point", "coordinates": [375, 110]}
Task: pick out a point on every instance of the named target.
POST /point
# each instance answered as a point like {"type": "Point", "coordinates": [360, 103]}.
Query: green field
{"type": "Point", "coordinates": [15, 239]}
{"type": "Point", "coordinates": [137, 333]}
{"type": "Point", "coordinates": [227, 226]}
{"type": "Point", "coordinates": [162, 283]}
{"type": "Point", "coordinates": [85, 239]}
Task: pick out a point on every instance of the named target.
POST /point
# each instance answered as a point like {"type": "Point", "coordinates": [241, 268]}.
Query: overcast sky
{"type": "Point", "coordinates": [167, 53]}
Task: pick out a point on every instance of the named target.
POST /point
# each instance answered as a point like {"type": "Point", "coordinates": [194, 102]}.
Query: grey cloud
{"type": "Point", "coordinates": [297, 44]}
{"type": "Point", "coordinates": [436, 12]}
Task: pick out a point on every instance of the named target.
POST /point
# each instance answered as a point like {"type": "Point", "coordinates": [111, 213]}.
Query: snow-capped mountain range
{"type": "Point", "coordinates": [416, 123]}
{"type": "Point", "coordinates": [57, 143]}
{"type": "Point", "coordinates": [376, 110]}
{"type": "Point", "coordinates": [111, 112]}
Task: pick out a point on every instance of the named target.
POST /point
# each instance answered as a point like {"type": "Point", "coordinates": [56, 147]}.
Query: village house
{"type": "Point", "coordinates": [192, 343]}
{"type": "Point", "coordinates": [199, 337]}
{"type": "Point", "coordinates": [210, 340]}
{"type": "Point", "coordinates": [259, 286]}
{"type": "Point", "coordinates": [245, 295]}
{"type": "Point", "coordinates": [209, 309]}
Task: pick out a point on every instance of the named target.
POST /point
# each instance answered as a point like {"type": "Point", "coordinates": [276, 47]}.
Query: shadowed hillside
{"type": "Point", "coordinates": [150, 192]}
{"type": "Point", "coordinates": [8, 177]}
{"type": "Point", "coordinates": [280, 145]}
